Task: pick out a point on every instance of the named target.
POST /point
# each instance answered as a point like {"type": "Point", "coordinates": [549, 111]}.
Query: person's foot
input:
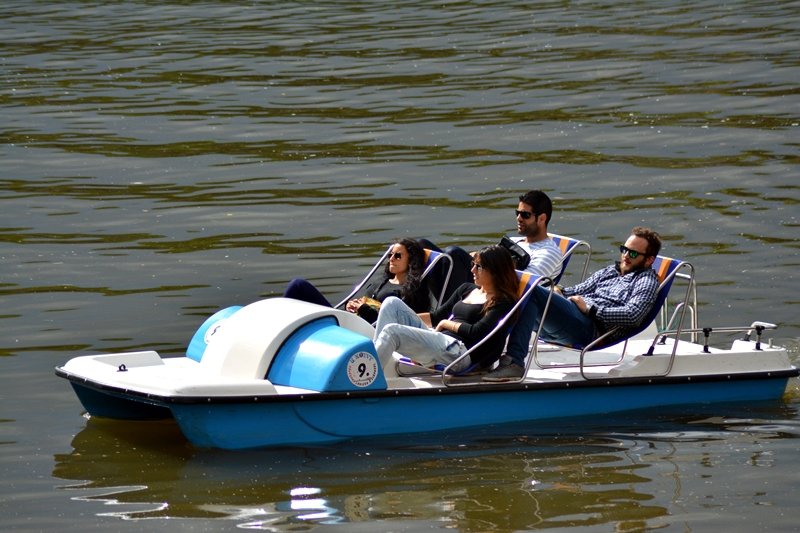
{"type": "Point", "coordinates": [505, 360]}
{"type": "Point", "coordinates": [509, 372]}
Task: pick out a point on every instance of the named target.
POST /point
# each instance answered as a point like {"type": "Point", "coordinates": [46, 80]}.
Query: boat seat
{"type": "Point", "coordinates": [667, 269]}
{"type": "Point", "coordinates": [527, 282]}
{"type": "Point", "coordinates": [432, 258]}
{"type": "Point", "coordinates": [568, 247]}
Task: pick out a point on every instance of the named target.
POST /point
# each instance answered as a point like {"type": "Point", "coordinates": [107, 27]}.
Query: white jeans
{"type": "Point", "coordinates": [399, 329]}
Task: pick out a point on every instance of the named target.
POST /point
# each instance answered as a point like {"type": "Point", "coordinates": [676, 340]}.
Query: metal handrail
{"type": "Point", "coordinates": [693, 314]}
{"type": "Point", "coordinates": [440, 257]}
{"type": "Point", "coordinates": [569, 253]}
{"type": "Point", "coordinates": [758, 326]}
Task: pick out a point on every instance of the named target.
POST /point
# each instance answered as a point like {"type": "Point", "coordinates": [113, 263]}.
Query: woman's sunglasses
{"type": "Point", "coordinates": [396, 255]}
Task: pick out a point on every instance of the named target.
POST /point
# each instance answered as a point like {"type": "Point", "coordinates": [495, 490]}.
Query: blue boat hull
{"type": "Point", "coordinates": [111, 404]}
{"type": "Point", "coordinates": [251, 424]}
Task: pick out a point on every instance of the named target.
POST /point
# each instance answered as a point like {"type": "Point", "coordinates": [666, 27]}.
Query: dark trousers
{"type": "Point", "coordinates": [300, 289]}
{"type": "Point", "coordinates": [462, 265]}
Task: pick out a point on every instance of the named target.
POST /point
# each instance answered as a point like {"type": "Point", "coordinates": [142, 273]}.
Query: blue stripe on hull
{"type": "Point", "coordinates": [259, 424]}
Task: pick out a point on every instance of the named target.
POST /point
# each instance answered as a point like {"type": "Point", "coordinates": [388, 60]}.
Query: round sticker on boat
{"type": "Point", "coordinates": [362, 369]}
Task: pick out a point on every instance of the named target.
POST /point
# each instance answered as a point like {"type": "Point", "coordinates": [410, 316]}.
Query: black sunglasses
{"type": "Point", "coordinates": [524, 214]}
{"type": "Point", "coordinates": [396, 255]}
{"type": "Point", "coordinates": [633, 254]}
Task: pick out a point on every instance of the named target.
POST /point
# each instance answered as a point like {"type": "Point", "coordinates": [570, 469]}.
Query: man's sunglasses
{"type": "Point", "coordinates": [633, 254]}
{"type": "Point", "coordinates": [524, 214]}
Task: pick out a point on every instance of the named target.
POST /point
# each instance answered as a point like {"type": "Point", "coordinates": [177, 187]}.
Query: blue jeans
{"type": "Point", "coordinates": [399, 329]}
{"type": "Point", "coordinates": [564, 324]}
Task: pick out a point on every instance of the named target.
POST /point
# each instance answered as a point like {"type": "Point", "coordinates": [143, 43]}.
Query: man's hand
{"type": "Point", "coordinates": [580, 302]}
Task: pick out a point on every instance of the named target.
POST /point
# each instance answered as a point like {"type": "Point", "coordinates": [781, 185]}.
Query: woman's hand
{"type": "Point", "coordinates": [354, 304]}
{"type": "Point", "coordinates": [447, 325]}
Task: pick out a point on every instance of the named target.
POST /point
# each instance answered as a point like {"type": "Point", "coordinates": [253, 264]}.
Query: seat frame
{"type": "Point", "coordinates": [569, 246]}
{"type": "Point", "coordinates": [527, 284]}
{"type": "Point", "coordinates": [431, 259]}
{"type": "Point", "coordinates": [668, 270]}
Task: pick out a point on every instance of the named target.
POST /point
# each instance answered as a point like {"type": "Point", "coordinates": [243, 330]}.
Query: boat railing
{"type": "Point", "coordinates": [529, 282]}
{"type": "Point", "coordinates": [757, 327]}
{"type": "Point", "coordinates": [665, 324]}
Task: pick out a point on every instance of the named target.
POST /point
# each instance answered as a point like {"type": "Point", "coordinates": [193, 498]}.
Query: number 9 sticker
{"type": "Point", "coordinates": [362, 369]}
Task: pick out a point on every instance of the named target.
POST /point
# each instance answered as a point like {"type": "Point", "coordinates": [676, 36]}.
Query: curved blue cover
{"type": "Point", "coordinates": [324, 357]}
{"type": "Point", "coordinates": [199, 340]}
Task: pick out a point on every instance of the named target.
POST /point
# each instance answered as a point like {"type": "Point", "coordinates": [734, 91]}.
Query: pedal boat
{"type": "Point", "coordinates": [281, 372]}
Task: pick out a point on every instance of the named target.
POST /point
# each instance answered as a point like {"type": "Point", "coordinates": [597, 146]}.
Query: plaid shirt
{"type": "Point", "coordinates": [622, 301]}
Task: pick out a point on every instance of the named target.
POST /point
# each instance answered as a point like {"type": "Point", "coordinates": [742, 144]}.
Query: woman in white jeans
{"type": "Point", "coordinates": [471, 312]}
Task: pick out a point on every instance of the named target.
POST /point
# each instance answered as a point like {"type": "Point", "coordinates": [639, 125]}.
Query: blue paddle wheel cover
{"type": "Point", "coordinates": [324, 357]}
{"type": "Point", "coordinates": [197, 346]}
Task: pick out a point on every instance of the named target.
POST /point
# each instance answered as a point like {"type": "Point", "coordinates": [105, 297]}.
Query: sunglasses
{"type": "Point", "coordinates": [524, 214]}
{"type": "Point", "coordinates": [633, 254]}
{"type": "Point", "coordinates": [396, 255]}
{"type": "Point", "coordinates": [476, 266]}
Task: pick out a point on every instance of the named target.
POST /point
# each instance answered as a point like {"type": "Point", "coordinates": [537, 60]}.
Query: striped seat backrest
{"type": "Point", "coordinates": [430, 257]}
{"type": "Point", "coordinates": [567, 245]}
{"type": "Point", "coordinates": [525, 281]}
{"type": "Point", "coordinates": [664, 266]}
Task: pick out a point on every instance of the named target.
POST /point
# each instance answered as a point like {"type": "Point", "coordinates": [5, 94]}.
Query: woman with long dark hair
{"type": "Point", "coordinates": [402, 278]}
{"type": "Point", "coordinates": [469, 315]}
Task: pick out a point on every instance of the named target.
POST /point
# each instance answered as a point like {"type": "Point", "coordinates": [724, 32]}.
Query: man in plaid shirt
{"type": "Point", "coordinates": [620, 295]}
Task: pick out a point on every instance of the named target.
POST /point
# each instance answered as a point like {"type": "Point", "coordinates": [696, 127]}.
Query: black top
{"type": "Point", "coordinates": [474, 325]}
{"type": "Point", "coordinates": [419, 301]}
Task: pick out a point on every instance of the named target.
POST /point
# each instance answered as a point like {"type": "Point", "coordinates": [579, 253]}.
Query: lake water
{"type": "Point", "coordinates": [162, 160]}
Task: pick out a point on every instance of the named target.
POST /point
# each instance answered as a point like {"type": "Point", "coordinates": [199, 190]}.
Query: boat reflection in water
{"type": "Point", "coordinates": [489, 479]}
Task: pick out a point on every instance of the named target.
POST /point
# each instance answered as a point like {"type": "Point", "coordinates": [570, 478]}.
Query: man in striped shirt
{"type": "Point", "coordinates": [533, 214]}
{"type": "Point", "coordinates": [618, 296]}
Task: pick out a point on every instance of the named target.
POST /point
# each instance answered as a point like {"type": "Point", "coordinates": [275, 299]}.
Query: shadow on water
{"type": "Point", "coordinates": [580, 472]}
